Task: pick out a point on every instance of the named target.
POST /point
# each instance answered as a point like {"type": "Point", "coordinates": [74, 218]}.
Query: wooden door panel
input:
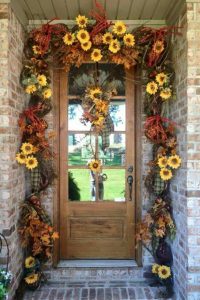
{"type": "Point", "coordinates": [98, 209]}
{"type": "Point", "coordinates": [96, 228]}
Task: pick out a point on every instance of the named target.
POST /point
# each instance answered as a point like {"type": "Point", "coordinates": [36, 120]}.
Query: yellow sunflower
{"type": "Point", "coordinates": [32, 278]}
{"type": "Point", "coordinates": [99, 122]}
{"type": "Point", "coordinates": [36, 50]}
{"type": "Point", "coordinates": [29, 262]}
{"type": "Point", "coordinates": [164, 272]}
{"type": "Point", "coordinates": [152, 87]}
{"type": "Point", "coordinates": [95, 165]}
{"type": "Point", "coordinates": [81, 21]}
{"type": "Point", "coordinates": [31, 162]}
{"type": "Point", "coordinates": [96, 55]}
{"type": "Point", "coordinates": [95, 92]}
{"type": "Point", "coordinates": [86, 46]}
{"type": "Point", "coordinates": [161, 78]}
{"type": "Point", "coordinates": [27, 148]}
{"type": "Point", "coordinates": [42, 80]}
{"type": "Point", "coordinates": [30, 89]}
{"type": "Point", "coordinates": [47, 93]}
{"type": "Point", "coordinates": [165, 93]}
{"type": "Point", "coordinates": [69, 38]}
{"type": "Point", "coordinates": [129, 40]}
{"type": "Point", "coordinates": [165, 174]}
{"type": "Point", "coordinates": [158, 47]}
{"type": "Point", "coordinates": [155, 268]}
{"type": "Point", "coordinates": [107, 38]}
{"type": "Point", "coordinates": [119, 28]}
{"type": "Point", "coordinates": [114, 46]}
{"type": "Point", "coordinates": [83, 36]}
{"type": "Point", "coordinates": [162, 161]}
{"type": "Point", "coordinates": [174, 161]}
{"type": "Point", "coordinates": [21, 158]}
{"type": "Point", "coordinates": [101, 106]}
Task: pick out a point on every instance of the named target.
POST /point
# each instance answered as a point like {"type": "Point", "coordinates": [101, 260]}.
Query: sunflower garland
{"type": "Point", "coordinates": [98, 42]}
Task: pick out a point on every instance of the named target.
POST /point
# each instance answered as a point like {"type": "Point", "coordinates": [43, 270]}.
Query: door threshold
{"type": "Point", "coordinates": [97, 263]}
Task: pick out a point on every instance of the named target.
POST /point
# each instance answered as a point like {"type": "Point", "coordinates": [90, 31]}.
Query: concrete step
{"type": "Point", "coordinates": [102, 271]}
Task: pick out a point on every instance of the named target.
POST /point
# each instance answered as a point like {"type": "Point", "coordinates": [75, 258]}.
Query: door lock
{"type": "Point", "coordinates": [130, 169]}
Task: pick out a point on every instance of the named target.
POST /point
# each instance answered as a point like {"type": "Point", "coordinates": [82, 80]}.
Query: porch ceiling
{"type": "Point", "coordinates": [160, 10]}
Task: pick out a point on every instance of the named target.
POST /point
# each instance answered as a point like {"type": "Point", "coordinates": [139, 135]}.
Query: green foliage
{"type": "Point", "coordinates": [5, 278]}
{"type": "Point", "coordinates": [74, 191]}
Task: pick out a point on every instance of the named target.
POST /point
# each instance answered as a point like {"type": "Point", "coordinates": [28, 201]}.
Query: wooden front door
{"type": "Point", "coordinates": [97, 213]}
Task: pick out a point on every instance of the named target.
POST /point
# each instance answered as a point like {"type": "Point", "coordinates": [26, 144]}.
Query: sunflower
{"type": "Point", "coordinates": [158, 46]}
{"type": "Point", "coordinates": [42, 80]}
{"type": "Point", "coordinates": [86, 46]}
{"type": "Point", "coordinates": [152, 87]}
{"type": "Point", "coordinates": [114, 46]}
{"type": "Point", "coordinates": [21, 158]}
{"type": "Point", "coordinates": [96, 55]}
{"type": "Point", "coordinates": [83, 36]}
{"type": "Point", "coordinates": [30, 89]}
{"type": "Point", "coordinates": [165, 174]}
{"type": "Point", "coordinates": [101, 106]}
{"type": "Point", "coordinates": [174, 161]}
{"type": "Point", "coordinates": [119, 28]}
{"type": "Point", "coordinates": [27, 148]}
{"type": "Point", "coordinates": [29, 262]}
{"type": "Point", "coordinates": [94, 93]}
{"type": "Point", "coordinates": [155, 268]}
{"type": "Point", "coordinates": [32, 278]}
{"type": "Point", "coordinates": [95, 165]}
{"type": "Point", "coordinates": [36, 50]}
{"type": "Point", "coordinates": [69, 38]}
{"type": "Point", "coordinates": [165, 93]}
{"type": "Point", "coordinates": [31, 162]}
{"type": "Point", "coordinates": [129, 40]}
{"type": "Point", "coordinates": [47, 93]}
{"type": "Point", "coordinates": [164, 272]}
{"type": "Point", "coordinates": [99, 122]}
{"type": "Point", "coordinates": [107, 38]}
{"type": "Point", "coordinates": [162, 161]}
{"type": "Point", "coordinates": [81, 21]}
{"type": "Point", "coordinates": [161, 78]}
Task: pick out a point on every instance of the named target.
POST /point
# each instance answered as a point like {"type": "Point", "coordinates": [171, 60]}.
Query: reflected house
{"type": "Point", "coordinates": [116, 149]}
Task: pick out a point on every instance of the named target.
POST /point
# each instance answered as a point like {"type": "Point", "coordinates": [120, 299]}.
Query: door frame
{"type": "Point", "coordinates": [59, 93]}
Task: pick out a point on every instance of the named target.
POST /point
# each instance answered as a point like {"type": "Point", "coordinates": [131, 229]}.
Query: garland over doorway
{"type": "Point", "coordinates": [96, 40]}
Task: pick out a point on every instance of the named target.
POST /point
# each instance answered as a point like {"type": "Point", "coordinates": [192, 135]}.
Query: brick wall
{"type": "Point", "coordinates": [185, 110]}
{"type": "Point", "coordinates": [12, 101]}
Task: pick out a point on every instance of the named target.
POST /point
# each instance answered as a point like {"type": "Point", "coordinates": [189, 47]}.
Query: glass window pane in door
{"type": "Point", "coordinates": [114, 185]}
{"type": "Point", "coordinates": [115, 152]}
{"type": "Point", "coordinates": [118, 114]}
{"type": "Point", "coordinates": [85, 75]}
{"type": "Point", "coordinates": [75, 112]}
{"type": "Point", "coordinates": [80, 185]}
{"type": "Point", "coordinates": [80, 148]}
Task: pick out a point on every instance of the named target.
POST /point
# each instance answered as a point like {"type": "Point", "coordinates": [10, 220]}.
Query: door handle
{"type": "Point", "coordinates": [130, 185]}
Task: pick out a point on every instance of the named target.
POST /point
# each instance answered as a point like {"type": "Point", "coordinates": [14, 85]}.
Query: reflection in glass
{"type": "Point", "coordinates": [80, 147]}
{"type": "Point", "coordinates": [115, 153]}
{"type": "Point", "coordinates": [85, 75]}
{"type": "Point", "coordinates": [114, 186]}
{"type": "Point", "coordinates": [75, 112]}
{"type": "Point", "coordinates": [79, 183]}
{"type": "Point", "coordinates": [117, 113]}
{"type": "Point", "coordinates": [83, 187]}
